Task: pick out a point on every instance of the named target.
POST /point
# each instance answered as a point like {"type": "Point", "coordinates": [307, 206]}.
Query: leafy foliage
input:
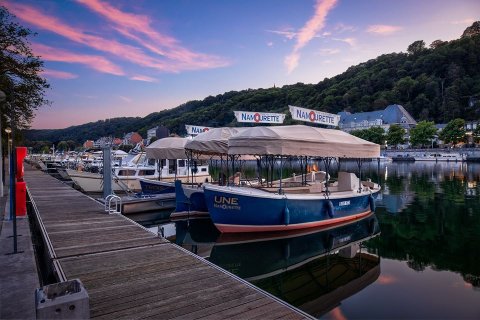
{"type": "Point", "coordinates": [19, 73]}
{"type": "Point", "coordinates": [423, 133]}
{"type": "Point", "coordinates": [373, 134]}
{"type": "Point", "coordinates": [395, 135]}
{"type": "Point", "coordinates": [454, 132]}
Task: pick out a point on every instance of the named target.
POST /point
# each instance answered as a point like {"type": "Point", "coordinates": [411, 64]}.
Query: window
{"type": "Point", "coordinates": [126, 173]}
{"type": "Point", "coordinates": [146, 172]}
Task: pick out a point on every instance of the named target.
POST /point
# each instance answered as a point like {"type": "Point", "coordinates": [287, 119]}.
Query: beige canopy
{"type": "Point", "coordinates": [300, 140]}
{"type": "Point", "coordinates": [213, 142]}
{"type": "Point", "coordinates": [167, 148]}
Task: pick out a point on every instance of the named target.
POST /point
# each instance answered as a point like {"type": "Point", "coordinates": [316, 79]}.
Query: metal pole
{"type": "Point", "coordinates": [107, 172]}
{"type": "Point", "coordinates": [2, 99]}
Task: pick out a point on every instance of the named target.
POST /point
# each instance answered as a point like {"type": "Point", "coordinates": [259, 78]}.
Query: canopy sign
{"type": "Point", "coordinates": [314, 116]}
{"type": "Point", "coordinates": [193, 130]}
{"type": "Point", "coordinates": [259, 117]}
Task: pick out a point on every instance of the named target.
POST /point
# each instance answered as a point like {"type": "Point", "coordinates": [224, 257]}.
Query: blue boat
{"type": "Point", "coordinates": [296, 204]}
{"type": "Point", "coordinates": [241, 209]}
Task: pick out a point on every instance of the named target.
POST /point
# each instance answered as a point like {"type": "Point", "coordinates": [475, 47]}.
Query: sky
{"type": "Point", "coordinates": [107, 59]}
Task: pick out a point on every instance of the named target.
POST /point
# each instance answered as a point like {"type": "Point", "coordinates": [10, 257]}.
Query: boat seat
{"type": "Point", "coordinates": [347, 181]}
{"type": "Point", "coordinates": [316, 187]}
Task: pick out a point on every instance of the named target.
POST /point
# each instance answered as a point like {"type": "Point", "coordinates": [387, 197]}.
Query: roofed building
{"type": "Point", "coordinates": [393, 114]}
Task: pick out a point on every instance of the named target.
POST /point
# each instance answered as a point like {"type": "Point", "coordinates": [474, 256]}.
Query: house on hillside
{"type": "Point", "coordinates": [393, 114]}
{"type": "Point", "coordinates": [132, 138]}
{"type": "Point", "coordinates": [88, 144]}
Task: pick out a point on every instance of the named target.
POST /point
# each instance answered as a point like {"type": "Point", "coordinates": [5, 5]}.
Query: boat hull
{"type": "Point", "coordinates": [240, 210]}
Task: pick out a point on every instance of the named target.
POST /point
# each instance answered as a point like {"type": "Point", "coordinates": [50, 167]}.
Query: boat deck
{"type": "Point", "coordinates": [132, 273]}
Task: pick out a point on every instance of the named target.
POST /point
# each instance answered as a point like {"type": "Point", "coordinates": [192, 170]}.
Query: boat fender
{"type": "Point", "coordinates": [329, 208]}
{"type": "Point", "coordinates": [286, 216]}
{"type": "Point", "coordinates": [371, 226]}
{"type": "Point", "coordinates": [371, 202]}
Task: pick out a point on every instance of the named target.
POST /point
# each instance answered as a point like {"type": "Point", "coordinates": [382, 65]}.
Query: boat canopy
{"type": "Point", "coordinates": [213, 141]}
{"type": "Point", "coordinates": [300, 140]}
{"type": "Point", "coordinates": [167, 148]}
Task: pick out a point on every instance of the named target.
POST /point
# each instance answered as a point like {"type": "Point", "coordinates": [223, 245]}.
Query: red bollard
{"type": "Point", "coordinates": [21, 154]}
{"type": "Point", "coordinates": [20, 199]}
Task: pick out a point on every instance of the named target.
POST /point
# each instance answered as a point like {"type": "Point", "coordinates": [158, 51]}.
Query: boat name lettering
{"type": "Point", "coordinates": [344, 203]}
{"type": "Point", "coordinates": [225, 203]}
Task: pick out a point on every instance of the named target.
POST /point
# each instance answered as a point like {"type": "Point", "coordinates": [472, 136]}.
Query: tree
{"type": "Point", "coordinates": [437, 43]}
{"type": "Point", "coordinates": [416, 47]}
{"type": "Point", "coordinates": [62, 146]}
{"type": "Point", "coordinates": [373, 134]}
{"type": "Point", "coordinates": [454, 131]}
{"type": "Point", "coordinates": [19, 73]}
{"type": "Point", "coordinates": [423, 133]}
{"type": "Point", "coordinates": [395, 135]}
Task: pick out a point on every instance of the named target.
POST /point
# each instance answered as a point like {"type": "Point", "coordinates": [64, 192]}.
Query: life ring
{"type": "Point", "coordinates": [328, 206]}
{"type": "Point", "coordinates": [371, 202]}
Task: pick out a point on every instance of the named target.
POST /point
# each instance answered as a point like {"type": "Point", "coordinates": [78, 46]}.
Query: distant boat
{"type": "Point", "coordinates": [439, 156]}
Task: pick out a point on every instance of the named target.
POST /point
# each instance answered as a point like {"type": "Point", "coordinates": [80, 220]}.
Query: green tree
{"type": "Point", "coordinates": [395, 135]}
{"type": "Point", "coordinates": [19, 73]}
{"type": "Point", "coordinates": [416, 47]}
{"type": "Point", "coordinates": [423, 133]}
{"type": "Point", "coordinates": [454, 131]}
{"type": "Point", "coordinates": [373, 134]}
{"type": "Point", "coordinates": [62, 146]}
{"type": "Point", "coordinates": [404, 86]}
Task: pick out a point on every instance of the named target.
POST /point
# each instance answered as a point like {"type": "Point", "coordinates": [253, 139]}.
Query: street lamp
{"type": "Point", "coordinates": [8, 130]}
{"type": "Point", "coordinates": [3, 97]}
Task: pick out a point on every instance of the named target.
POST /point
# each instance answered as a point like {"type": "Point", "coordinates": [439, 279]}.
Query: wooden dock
{"type": "Point", "coordinates": [132, 273]}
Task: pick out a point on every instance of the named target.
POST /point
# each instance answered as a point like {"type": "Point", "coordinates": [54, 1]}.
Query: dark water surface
{"type": "Point", "coordinates": [417, 257]}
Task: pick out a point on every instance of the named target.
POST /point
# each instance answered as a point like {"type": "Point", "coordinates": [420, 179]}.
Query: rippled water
{"type": "Point", "coordinates": [417, 257]}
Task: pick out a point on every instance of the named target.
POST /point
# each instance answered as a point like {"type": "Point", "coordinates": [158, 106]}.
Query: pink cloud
{"type": "Point", "coordinates": [351, 41]}
{"type": "Point", "coordinates": [58, 74]}
{"type": "Point", "coordinates": [95, 62]}
{"type": "Point", "coordinates": [309, 31]}
{"type": "Point", "coordinates": [123, 51]}
{"type": "Point", "coordinates": [136, 26]}
{"type": "Point", "coordinates": [382, 29]}
{"type": "Point", "coordinates": [143, 78]}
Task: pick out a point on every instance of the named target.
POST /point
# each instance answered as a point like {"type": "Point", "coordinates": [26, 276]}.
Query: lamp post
{"type": "Point", "coordinates": [3, 97]}
{"type": "Point", "coordinates": [8, 130]}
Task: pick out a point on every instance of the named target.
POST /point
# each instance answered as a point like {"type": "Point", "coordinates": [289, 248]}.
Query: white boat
{"type": "Point", "coordinates": [439, 156]}
{"type": "Point", "coordinates": [146, 167]}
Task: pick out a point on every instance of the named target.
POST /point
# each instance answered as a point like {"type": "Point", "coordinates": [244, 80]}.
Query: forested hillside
{"type": "Point", "coordinates": [436, 83]}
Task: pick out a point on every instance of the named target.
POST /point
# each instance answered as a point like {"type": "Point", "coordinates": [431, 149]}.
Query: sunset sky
{"type": "Point", "coordinates": [107, 59]}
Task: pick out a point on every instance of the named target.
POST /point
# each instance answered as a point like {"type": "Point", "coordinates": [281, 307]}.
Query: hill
{"type": "Point", "coordinates": [437, 83]}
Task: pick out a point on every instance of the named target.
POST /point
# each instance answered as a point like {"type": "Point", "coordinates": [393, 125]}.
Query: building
{"type": "Point", "coordinates": [132, 138]}
{"type": "Point", "coordinates": [393, 114]}
{"type": "Point", "coordinates": [88, 144]}
{"type": "Point", "coordinates": [158, 132]}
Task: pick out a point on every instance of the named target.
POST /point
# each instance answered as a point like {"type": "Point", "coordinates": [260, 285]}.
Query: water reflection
{"type": "Point", "coordinates": [429, 217]}
{"type": "Point", "coordinates": [313, 270]}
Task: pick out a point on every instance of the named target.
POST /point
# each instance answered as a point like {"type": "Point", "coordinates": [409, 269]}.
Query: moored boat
{"type": "Point", "coordinates": [294, 206]}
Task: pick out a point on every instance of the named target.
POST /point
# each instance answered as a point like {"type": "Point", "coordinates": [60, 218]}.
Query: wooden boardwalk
{"type": "Point", "coordinates": [130, 272]}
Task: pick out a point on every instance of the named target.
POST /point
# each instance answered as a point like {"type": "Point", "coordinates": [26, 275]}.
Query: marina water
{"type": "Point", "coordinates": [417, 257]}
